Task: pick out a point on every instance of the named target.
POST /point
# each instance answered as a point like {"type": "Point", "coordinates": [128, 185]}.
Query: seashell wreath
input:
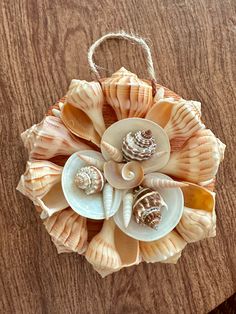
{"type": "Point", "coordinates": [138, 189]}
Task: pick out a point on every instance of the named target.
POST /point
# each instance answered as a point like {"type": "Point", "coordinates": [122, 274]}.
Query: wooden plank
{"type": "Point", "coordinates": [43, 46]}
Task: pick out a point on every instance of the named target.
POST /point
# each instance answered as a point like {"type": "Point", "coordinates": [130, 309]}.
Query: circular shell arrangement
{"type": "Point", "coordinates": [145, 181]}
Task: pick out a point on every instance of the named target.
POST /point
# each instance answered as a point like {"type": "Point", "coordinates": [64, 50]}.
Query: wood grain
{"type": "Point", "coordinates": [43, 45]}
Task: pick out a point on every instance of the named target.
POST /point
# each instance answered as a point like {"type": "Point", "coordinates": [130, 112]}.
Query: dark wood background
{"type": "Point", "coordinates": [43, 45]}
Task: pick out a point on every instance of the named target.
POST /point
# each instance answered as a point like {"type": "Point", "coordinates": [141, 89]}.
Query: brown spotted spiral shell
{"type": "Point", "coordinates": [147, 207]}
{"type": "Point", "coordinates": [90, 179]}
{"type": "Point", "coordinates": [139, 145]}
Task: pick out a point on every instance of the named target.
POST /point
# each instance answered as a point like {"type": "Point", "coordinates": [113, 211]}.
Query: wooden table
{"type": "Point", "coordinates": [43, 46]}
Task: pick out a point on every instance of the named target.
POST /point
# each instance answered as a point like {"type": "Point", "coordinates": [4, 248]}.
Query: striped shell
{"type": "Point", "coordinates": [147, 207]}
{"type": "Point", "coordinates": [138, 146]}
{"type": "Point", "coordinates": [90, 179]}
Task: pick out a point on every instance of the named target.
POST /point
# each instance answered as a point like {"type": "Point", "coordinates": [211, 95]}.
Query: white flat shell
{"type": "Point", "coordinates": [170, 218]}
{"type": "Point", "coordinates": [116, 132]}
{"type": "Point", "coordinates": [90, 206]}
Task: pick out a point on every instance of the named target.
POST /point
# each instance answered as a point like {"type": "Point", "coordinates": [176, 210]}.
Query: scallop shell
{"type": "Point", "coordinates": [88, 96]}
{"type": "Point", "coordinates": [114, 153]}
{"type": "Point", "coordinates": [41, 183]}
{"type": "Point", "coordinates": [127, 94]}
{"type": "Point", "coordinates": [147, 207]}
{"type": "Point", "coordinates": [139, 145]}
{"type": "Point", "coordinates": [199, 218]}
{"type": "Point", "coordinates": [198, 160]}
{"type": "Point", "coordinates": [153, 182]}
{"type": "Point", "coordinates": [117, 131]}
{"type": "Point", "coordinates": [79, 124]}
{"type": "Point", "coordinates": [102, 252]}
{"type": "Point", "coordinates": [90, 179]}
{"type": "Point", "coordinates": [165, 250]}
{"type": "Point", "coordinates": [123, 176]}
{"type": "Point", "coordinates": [180, 119]}
{"type": "Point", "coordinates": [50, 138]}
{"type": "Point", "coordinates": [68, 231]}
{"type": "Point", "coordinates": [127, 207]}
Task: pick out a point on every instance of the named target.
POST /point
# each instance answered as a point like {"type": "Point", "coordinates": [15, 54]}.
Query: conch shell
{"type": "Point", "coordinates": [198, 160]}
{"type": "Point", "coordinates": [41, 183]}
{"type": "Point", "coordinates": [68, 231]}
{"type": "Point", "coordinates": [90, 179]}
{"type": "Point", "coordinates": [127, 94]}
{"type": "Point", "coordinates": [113, 152]}
{"type": "Point", "coordinates": [165, 250]}
{"type": "Point", "coordinates": [199, 219]}
{"type": "Point", "coordinates": [153, 182]}
{"type": "Point", "coordinates": [147, 207]}
{"type": "Point", "coordinates": [180, 119]}
{"type": "Point", "coordinates": [123, 176]}
{"type": "Point", "coordinates": [102, 252]}
{"type": "Point", "coordinates": [88, 96]}
{"type": "Point", "coordinates": [139, 145]}
{"type": "Point", "coordinates": [50, 138]}
{"type": "Point", "coordinates": [79, 123]}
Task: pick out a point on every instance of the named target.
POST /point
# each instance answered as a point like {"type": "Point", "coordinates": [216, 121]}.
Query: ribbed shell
{"type": "Point", "coordinates": [50, 138]}
{"type": "Point", "coordinates": [198, 159]}
{"type": "Point", "coordinates": [138, 146]}
{"type": "Point", "coordinates": [147, 207]}
{"type": "Point", "coordinates": [68, 231]}
{"type": "Point", "coordinates": [127, 94]}
{"type": "Point", "coordinates": [90, 179]}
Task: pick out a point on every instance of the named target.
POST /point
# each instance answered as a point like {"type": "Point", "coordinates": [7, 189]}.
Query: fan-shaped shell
{"type": "Point", "coordinates": [139, 145]}
{"type": "Point", "coordinates": [123, 176]}
{"type": "Point", "coordinates": [180, 119]}
{"type": "Point", "coordinates": [90, 179]}
{"type": "Point", "coordinates": [167, 249]}
{"type": "Point", "coordinates": [50, 138]}
{"type": "Point", "coordinates": [88, 96]}
{"type": "Point", "coordinates": [117, 131]}
{"type": "Point", "coordinates": [199, 219]}
{"type": "Point", "coordinates": [147, 206]}
{"type": "Point", "coordinates": [127, 94]}
{"type": "Point", "coordinates": [102, 252]}
{"type": "Point", "coordinates": [68, 231]}
{"type": "Point", "coordinates": [198, 160]}
{"type": "Point", "coordinates": [79, 123]}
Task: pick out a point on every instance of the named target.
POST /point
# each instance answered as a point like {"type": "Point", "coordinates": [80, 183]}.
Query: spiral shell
{"type": "Point", "coordinates": [147, 207]}
{"type": "Point", "coordinates": [50, 138]}
{"type": "Point", "coordinates": [90, 179]}
{"type": "Point", "coordinates": [139, 145]}
{"type": "Point", "coordinates": [127, 94]}
{"type": "Point", "coordinates": [88, 96]}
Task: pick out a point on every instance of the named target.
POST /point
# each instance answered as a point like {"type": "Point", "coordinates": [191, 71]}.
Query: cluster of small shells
{"type": "Point", "coordinates": [194, 156]}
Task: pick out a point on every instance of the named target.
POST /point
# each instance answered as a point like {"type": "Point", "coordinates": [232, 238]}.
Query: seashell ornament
{"type": "Point", "coordinates": [147, 207]}
{"type": "Point", "coordinates": [127, 208]}
{"type": "Point", "coordinates": [139, 145]}
{"type": "Point", "coordinates": [90, 179]}
{"type": "Point", "coordinates": [154, 182]}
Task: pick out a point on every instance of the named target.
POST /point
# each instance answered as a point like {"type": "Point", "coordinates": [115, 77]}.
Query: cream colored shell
{"type": "Point", "coordinates": [50, 138]}
{"type": "Point", "coordinates": [127, 94]}
{"type": "Point", "coordinates": [88, 96]}
{"type": "Point", "coordinates": [167, 249]}
{"type": "Point", "coordinates": [68, 231]}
